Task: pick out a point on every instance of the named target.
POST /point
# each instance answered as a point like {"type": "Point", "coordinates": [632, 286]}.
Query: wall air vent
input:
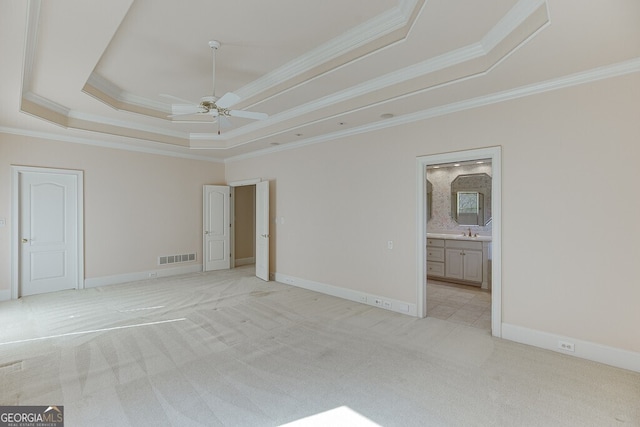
{"type": "Point", "coordinates": [172, 259]}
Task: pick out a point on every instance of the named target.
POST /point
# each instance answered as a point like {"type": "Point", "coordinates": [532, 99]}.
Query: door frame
{"type": "Point", "coordinates": [16, 170]}
{"type": "Point", "coordinates": [495, 154]}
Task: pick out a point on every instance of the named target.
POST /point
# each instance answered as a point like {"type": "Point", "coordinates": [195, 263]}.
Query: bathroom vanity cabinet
{"type": "Point", "coordinates": [458, 260]}
{"type": "Point", "coordinates": [435, 257]}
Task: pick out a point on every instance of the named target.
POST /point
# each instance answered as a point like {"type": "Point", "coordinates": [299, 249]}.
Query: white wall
{"type": "Point", "coordinates": [570, 228]}
{"type": "Point", "coordinates": [570, 232]}
{"type": "Point", "coordinates": [137, 206]}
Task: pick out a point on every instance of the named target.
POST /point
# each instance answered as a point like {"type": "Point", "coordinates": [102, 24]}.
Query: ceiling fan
{"type": "Point", "coordinates": [219, 108]}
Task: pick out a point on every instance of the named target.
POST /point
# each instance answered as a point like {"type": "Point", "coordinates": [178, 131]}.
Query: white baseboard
{"type": "Point", "coordinates": [245, 261]}
{"type": "Point", "coordinates": [141, 275]}
{"type": "Point", "coordinates": [349, 294]}
{"type": "Point", "coordinates": [584, 349]}
{"type": "Point", "coordinates": [5, 294]}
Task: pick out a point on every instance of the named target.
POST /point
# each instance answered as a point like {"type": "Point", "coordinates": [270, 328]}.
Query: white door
{"type": "Point", "coordinates": [262, 230]}
{"type": "Point", "coordinates": [49, 231]}
{"type": "Point", "coordinates": [217, 227]}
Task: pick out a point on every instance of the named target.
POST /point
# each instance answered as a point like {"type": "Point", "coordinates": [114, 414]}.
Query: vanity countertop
{"type": "Point", "coordinates": [457, 237]}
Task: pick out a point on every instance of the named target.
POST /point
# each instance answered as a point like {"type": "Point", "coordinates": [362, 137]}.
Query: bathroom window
{"type": "Point", "coordinates": [469, 210]}
{"type": "Point", "coordinates": [468, 203]}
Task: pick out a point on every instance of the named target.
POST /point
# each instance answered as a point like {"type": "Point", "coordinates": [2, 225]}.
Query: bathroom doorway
{"type": "Point", "coordinates": [471, 209]}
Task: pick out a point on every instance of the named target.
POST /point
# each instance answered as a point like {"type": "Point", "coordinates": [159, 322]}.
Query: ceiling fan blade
{"type": "Point", "coordinates": [175, 98]}
{"type": "Point", "coordinates": [196, 110]}
{"type": "Point", "coordinates": [248, 114]}
{"type": "Point", "coordinates": [227, 100]}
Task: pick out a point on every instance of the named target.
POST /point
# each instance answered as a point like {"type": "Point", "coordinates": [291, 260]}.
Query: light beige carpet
{"type": "Point", "coordinates": [225, 348]}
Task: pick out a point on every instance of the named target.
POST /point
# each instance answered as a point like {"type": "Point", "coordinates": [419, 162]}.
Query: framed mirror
{"type": "Point", "coordinates": [471, 199]}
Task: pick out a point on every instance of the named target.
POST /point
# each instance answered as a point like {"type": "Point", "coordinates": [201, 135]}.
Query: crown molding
{"type": "Point", "coordinates": [429, 66]}
{"type": "Point", "coordinates": [31, 40]}
{"type": "Point", "coordinates": [515, 18]}
{"type": "Point", "coordinates": [593, 75]}
{"type": "Point", "coordinates": [46, 103]}
{"type": "Point", "coordinates": [138, 146]}
{"type": "Point", "coordinates": [107, 121]}
{"type": "Point", "coordinates": [142, 146]}
{"type": "Point", "coordinates": [390, 21]}
{"type": "Point", "coordinates": [397, 18]}
{"type": "Point", "coordinates": [523, 11]}
{"type": "Point", "coordinates": [105, 86]}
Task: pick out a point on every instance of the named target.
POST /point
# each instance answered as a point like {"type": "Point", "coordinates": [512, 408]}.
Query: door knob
{"type": "Point", "coordinates": [25, 240]}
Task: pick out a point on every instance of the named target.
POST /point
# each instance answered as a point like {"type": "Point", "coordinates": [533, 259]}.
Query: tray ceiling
{"type": "Point", "coordinates": [318, 69]}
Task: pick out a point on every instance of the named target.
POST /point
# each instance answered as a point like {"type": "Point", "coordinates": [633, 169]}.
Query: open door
{"type": "Point", "coordinates": [216, 228]}
{"type": "Point", "coordinates": [262, 230]}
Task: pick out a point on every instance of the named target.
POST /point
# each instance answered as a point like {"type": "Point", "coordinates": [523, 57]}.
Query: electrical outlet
{"type": "Point", "coordinates": [566, 346]}
{"type": "Point", "coordinates": [378, 301]}
{"type": "Point", "coordinates": [386, 304]}
{"type": "Point", "coordinates": [153, 275]}
{"type": "Point", "coordinates": [363, 298]}
{"type": "Point", "coordinates": [390, 244]}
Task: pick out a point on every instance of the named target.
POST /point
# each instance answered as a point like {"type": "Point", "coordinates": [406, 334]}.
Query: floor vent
{"type": "Point", "coordinates": [172, 259]}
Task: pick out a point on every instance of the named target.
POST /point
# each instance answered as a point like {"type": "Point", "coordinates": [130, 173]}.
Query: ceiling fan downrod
{"type": "Point", "coordinates": [214, 45]}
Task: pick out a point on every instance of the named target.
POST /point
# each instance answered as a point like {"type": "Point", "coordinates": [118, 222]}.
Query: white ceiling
{"type": "Point", "coordinates": [95, 70]}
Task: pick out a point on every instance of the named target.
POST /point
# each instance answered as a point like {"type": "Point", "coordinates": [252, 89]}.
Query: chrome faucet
{"type": "Point", "coordinates": [470, 235]}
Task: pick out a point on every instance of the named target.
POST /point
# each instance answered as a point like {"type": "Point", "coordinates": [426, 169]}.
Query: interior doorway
{"type": "Point", "coordinates": [244, 208]}
{"type": "Point", "coordinates": [423, 205]}
{"type": "Point", "coordinates": [260, 224]}
{"type": "Point", "coordinates": [220, 231]}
